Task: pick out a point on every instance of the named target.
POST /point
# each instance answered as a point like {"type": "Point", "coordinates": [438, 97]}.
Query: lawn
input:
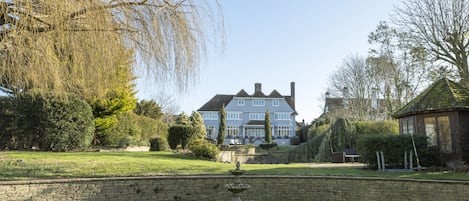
{"type": "Point", "coordinates": [42, 165]}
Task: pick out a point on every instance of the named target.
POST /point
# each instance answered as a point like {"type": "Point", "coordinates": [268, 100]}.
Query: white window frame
{"type": "Point", "coordinates": [210, 115]}
{"type": "Point", "coordinates": [282, 116]}
{"type": "Point", "coordinates": [210, 132]}
{"type": "Point", "coordinates": [233, 115]}
{"type": "Point", "coordinates": [283, 131]}
{"type": "Point", "coordinates": [256, 116]}
{"type": "Point", "coordinates": [275, 102]}
{"type": "Point", "coordinates": [240, 102]}
{"type": "Point", "coordinates": [232, 131]}
{"type": "Point", "coordinates": [258, 102]}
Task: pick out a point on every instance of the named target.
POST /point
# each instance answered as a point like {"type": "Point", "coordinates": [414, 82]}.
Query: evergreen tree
{"type": "Point", "coordinates": [221, 129]}
{"type": "Point", "coordinates": [267, 129]}
{"type": "Point", "coordinates": [182, 119]}
{"type": "Point", "coordinates": [198, 124]}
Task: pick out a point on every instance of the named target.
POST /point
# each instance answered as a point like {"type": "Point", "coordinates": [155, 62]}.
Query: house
{"type": "Point", "coordinates": [245, 116]}
{"type": "Point", "coordinates": [441, 112]}
{"type": "Point", "coordinates": [356, 108]}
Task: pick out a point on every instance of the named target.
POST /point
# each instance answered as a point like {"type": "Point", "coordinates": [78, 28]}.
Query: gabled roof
{"type": "Point", "coordinates": [443, 95]}
{"type": "Point", "coordinates": [242, 93]}
{"type": "Point", "coordinates": [216, 103]}
{"type": "Point", "coordinates": [259, 94]}
{"type": "Point", "coordinates": [275, 94]}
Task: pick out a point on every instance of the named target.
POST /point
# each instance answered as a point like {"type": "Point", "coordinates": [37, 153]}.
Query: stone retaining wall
{"type": "Point", "coordinates": [211, 188]}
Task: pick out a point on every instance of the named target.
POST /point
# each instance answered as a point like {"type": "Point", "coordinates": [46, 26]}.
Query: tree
{"type": "Point", "coordinates": [149, 109]}
{"type": "Point", "coordinates": [351, 81]}
{"type": "Point", "coordinates": [397, 65]}
{"type": "Point", "coordinates": [221, 128]}
{"type": "Point", "coordinates": [267, 128]}
{"type": "Point", "coordinates": [75, 46]}
{"type": "Point", "coordinates": [198, 124]}
{"type": "Point", "coordinates": [440, 26]}
{"type": "Point", "coordinates": [183, 119]}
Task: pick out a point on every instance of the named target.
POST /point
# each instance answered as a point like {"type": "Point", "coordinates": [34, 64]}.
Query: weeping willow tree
{"type": "Point", "coordinates": [80, 46]}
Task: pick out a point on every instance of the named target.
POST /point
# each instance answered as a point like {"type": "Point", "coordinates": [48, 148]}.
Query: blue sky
{"type": "Point", "coordinates": [275, 42]}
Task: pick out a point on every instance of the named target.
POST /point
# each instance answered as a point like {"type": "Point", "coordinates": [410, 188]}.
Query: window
{"type": "Point", "coordinates": [255, 132]}
{"type": "Point", "coordinates": [275, 102]}
{"type": "Point", "coordinates": [282, 116]}
{"type": "Point", "coordinates": [211, 132]}
{"type": "Point", "coordinates": [257, 116]}
{"type": "Point", "coordinates": [234, 115]}
{"type": "Point", "coordinates": [232, 131]}
{"type": "Point", "coordinates": [240, 102]}
{"type": "Point", "coordinates": [407, 126]}
{"type": "Point", "coordinates": [438, 131]}
{"type": "Point", "coordinates": [258, 102]}
{"type": "Point", "coordinates": [283, 131]}
{"type": "Point", "coordinates": [210, 115]}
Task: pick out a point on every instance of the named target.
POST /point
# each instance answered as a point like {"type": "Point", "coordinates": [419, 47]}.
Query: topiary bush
{"type": "Point", "coordinates": [159, 143]}
{"type": "Point", "coordinates": [180, 135]}
{"type": "Point", "coordinates": [203, 149]}
{"type": "Point", "coordinates": [393, 147]}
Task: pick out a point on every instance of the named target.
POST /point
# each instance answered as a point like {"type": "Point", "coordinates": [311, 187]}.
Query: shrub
{"type": "Point", "coordinates": [159, 143]}
{"type": "Point", "coordinates": [180, 135]}
{"type": "Point", "coordinates": [393, 147]}
{"type": "Point", "coordinates": [48, 121]}
{"type": "Point", "coordinates": [377, 127]}
{"type": "Point", "coordinates": [203, 149]}
{"type": "Point", "coordinates": [133, 129]}
{"type": "Point", "coordinates": [268, 146]}
{"type": "Point", "coordinates": [295, 140]}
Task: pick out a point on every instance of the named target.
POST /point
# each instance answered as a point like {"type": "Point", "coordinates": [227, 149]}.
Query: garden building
{"type": "Point", "coordinates": [245, 116]}
{"type": "Point", "coordinates": [441, 112]}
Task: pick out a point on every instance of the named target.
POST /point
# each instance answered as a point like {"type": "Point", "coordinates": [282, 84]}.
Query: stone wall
{"type": "Point", "coordinates": [211, 188]}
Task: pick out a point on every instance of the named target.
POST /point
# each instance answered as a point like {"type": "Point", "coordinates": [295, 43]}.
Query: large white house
{"type": "Point", "coordinates": [245, 116]}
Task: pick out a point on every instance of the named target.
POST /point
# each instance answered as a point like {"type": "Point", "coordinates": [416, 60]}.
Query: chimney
{"type": "Point", "coordinates": [257, 87]}
{"type": "Point", "coordinates": [292, 93]}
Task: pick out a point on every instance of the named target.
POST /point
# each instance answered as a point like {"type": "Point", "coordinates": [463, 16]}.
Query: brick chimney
{"type": "Point", "coordinates": [292, 93]}
{"type": "Point", "coordinates": [257, 87]}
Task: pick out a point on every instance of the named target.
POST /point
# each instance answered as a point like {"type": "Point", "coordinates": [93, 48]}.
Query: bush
{"type": "Point", "coordinates": [295, 140]}
{"type": "Point", "coordinates": [203, 149]}
{"type": "Point", "coordinates": [268, 146]}
{"type": "Point", "coordinates": [48, 121]}
{"type": "Point", "coordinates": [393, 147]}
{"type": "Point", "coordinates": [133, 129]}
{"type": "Point", "coordinates": [180, 135]}
{"type": "Point", "coordinates": [377, 127]}
{"type": "Point", "coordinates": [159, 143]}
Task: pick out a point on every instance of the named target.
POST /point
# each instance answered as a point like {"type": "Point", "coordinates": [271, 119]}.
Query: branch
{"type": "Point", "coordinates": [103, 7]}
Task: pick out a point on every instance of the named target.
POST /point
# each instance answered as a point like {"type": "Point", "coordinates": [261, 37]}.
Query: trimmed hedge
{"type": "Point", "coordinates": [377, 127]}
{"type": "Point", "coordinates": [393, 147]}
{"type": "Point", "coordinates": [45, 121]}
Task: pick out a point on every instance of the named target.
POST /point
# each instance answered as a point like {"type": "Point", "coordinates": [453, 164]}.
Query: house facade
{"type": "Point", "coordinates": [245, 116]}
{"type": "Point", "coordinates": [441, 112]}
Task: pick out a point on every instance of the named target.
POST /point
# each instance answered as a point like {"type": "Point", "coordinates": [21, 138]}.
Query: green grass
{"type": "Point", "coordinates": [42, 165]}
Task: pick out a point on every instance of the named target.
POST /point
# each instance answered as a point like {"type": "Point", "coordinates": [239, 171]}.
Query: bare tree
{"type": "Point", "coordinates": [440, 25]}
{"type": "Point", "coordinates": [66, 45]}
{"type": "Point", "coordinates": [351, 82]}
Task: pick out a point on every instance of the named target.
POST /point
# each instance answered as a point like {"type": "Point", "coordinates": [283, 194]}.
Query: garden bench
{"type": "Point", "coordinates": [345, 155]}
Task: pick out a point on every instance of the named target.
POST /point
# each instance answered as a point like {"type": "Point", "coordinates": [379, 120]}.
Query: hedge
{"type": "Point", "coordinates": [393, 147]}
{"type": "Point", "coordinates": [180, 135]}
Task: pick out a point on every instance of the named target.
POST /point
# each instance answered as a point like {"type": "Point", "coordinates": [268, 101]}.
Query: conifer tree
{"type": "Point", "coordinates": [198, 124]}
{"type": "Point", "coordinates": [221, 129]}
{"type": "Point", "coordinates": [267, 129]}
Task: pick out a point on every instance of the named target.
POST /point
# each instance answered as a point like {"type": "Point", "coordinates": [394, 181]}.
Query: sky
{"type": "Point", "coordinates": [276, 42]}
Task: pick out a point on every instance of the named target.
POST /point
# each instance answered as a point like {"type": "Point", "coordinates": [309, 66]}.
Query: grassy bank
{"type": "Point", "coordinates": [42, 165]}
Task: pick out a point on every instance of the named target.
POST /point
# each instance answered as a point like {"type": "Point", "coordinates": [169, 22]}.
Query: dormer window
{"type": "Point", "coordinates": [240, 102]}
{"type": "Point", "coordinates": [258, 102]}
{"type": "Point", "coordinates": [275, 102]}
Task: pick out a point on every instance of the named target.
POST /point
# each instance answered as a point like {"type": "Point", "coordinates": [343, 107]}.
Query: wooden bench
{"type": "Point", "coordinates": [345, 155]}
